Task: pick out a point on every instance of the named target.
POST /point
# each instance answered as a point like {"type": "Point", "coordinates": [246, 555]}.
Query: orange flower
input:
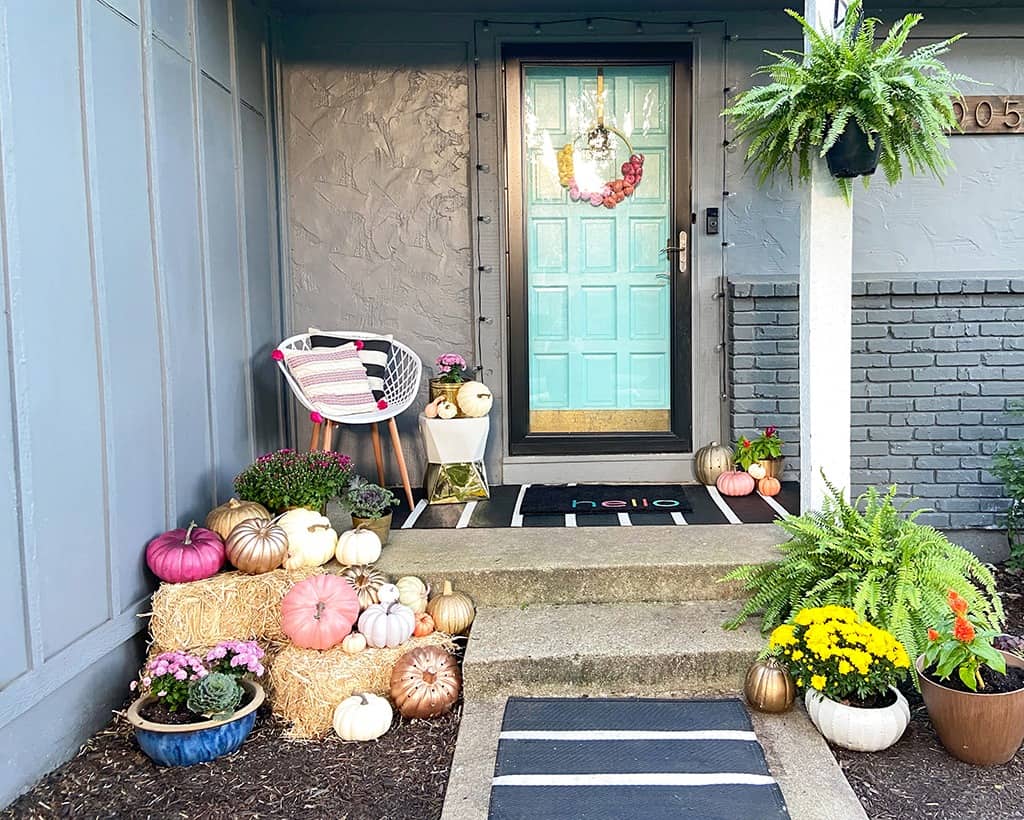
{"type": "Point", "coordinates": [956, 603]}
{"type": "Point", "coordinates": [933, 635]}
{"type": "Point", "coordinates": [963, 631]}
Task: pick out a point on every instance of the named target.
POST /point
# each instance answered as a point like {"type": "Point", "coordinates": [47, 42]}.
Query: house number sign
{"type": "Point", "coordinates": [990, 114]}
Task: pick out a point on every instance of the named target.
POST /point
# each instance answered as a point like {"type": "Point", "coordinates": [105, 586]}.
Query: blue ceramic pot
{"type": "Point", "coordinates": [190, 743]}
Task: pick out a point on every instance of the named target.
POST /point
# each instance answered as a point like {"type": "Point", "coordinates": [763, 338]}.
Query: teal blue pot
{"type": "Point", "coordinates": [190, 743]}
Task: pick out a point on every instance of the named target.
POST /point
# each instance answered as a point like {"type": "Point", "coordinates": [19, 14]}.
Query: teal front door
{"type": "Point", "coordinates": [599, 319]}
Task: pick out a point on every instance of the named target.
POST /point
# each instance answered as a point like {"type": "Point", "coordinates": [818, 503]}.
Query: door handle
{"type": "Point", "coordinates": [679, 249]}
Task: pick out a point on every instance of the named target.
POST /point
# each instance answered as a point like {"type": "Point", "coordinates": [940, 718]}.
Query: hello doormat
{"type": "Point", "coordinates": [594, 499]}
{"type": "Point", "coordinates": [608, 759]}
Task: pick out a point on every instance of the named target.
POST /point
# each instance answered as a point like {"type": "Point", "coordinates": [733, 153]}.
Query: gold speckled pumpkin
{"type": "Point", "coordinates": [769, 687]}
{"type": "Point", "coordinates": [710, 461]}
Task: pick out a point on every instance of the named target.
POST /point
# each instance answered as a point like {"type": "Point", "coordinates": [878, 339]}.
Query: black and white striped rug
{"type": "Point", "coordinates": [608, 759]}
{"type": "Point", "coordinates": [705, 505]}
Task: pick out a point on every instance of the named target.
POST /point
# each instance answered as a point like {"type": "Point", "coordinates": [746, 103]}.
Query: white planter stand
{"type": "Point", "coordinates": [455, 459]}
{"type": "Point", "coordinates": [862, 730]}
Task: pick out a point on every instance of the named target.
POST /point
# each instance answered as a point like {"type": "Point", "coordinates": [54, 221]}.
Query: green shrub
{"type": "Point", "coordinates": [1008, 467]}
{"type": "Point", "coordinates": [870, 557]}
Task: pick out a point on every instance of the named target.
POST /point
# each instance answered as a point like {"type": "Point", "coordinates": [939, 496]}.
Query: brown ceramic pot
{"type": "Point", "coordinates": [379, 526]}
{"type": "Point", "coordinates": [986, 730]}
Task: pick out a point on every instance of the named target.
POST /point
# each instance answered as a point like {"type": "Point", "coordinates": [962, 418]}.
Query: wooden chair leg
{"type": "Point", "coordinates": [314, 441]}
{"type": "Point", "coordinates": [328, 435]}
{"type": "Point", "coordinates": [378, 453]}
{"type": "Point", "coordinates": [396, 441]}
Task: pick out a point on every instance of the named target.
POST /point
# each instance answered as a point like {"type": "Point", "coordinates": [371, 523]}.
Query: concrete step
{"type": "Point", "coordinates": [524, 566]}
{"type": "Point", "coordinates": [608, 649]}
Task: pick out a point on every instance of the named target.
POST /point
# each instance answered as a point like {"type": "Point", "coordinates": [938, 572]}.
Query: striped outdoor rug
{"type": "Point", "coordinates": [504, 509]}
{"type": "Point", "coordinates": [608, 759]}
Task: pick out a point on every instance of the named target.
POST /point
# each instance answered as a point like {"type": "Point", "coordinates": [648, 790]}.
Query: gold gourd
{"type": "Point", "coordinates": [710, 461]}
{"type": "Point", "coordinates": [223, 519]}
{"type": "Point", "coordinates": [452, 611]}
{"type": "Point", "coordinates": [769, 686]}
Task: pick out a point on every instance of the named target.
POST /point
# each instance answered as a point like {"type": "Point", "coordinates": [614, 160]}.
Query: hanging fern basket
{"type": "Point", "coordinates": [852, 155]}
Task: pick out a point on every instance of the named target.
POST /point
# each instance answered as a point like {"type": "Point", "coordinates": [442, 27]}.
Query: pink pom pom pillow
{"type": "Point", "coordinates": [333, 380]}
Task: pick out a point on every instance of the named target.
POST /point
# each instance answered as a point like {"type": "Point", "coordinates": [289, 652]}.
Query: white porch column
{"type": "Point", "coordinates": [826, 278]}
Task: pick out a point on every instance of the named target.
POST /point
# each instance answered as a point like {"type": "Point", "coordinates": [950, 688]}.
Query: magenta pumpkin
{"type": "Point", "coordinates": [185, 554]}
{"type": "Point", "coordinates": [319, 612]}
{"type": "Point", "coordinates": [735, 482]}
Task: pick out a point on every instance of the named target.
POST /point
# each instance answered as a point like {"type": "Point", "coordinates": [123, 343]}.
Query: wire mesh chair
{"type": "Point", "coordinates": [401, 386]}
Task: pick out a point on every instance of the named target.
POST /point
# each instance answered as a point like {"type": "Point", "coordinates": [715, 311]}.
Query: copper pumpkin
{"type": "Point", "coordinates": [257, 545]}
{"type": "Point", "coordinates": [425, 682]}
{"type": "Point", "coordinates": [769, 687]}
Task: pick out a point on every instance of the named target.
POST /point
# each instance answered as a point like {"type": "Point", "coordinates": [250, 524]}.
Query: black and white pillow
{"type": "Point", "coordinates": [373, 353]}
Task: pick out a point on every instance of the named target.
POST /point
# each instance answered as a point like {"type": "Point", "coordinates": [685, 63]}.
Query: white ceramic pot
{"type": "Point", "coordinates": [852, 727]}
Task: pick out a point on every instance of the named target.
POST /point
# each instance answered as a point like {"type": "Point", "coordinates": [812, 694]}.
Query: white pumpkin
{"type": "Point", "coordinates": [430, 411]}
{"type": "Point", "coordinates": [413, 593]}
{"type": "Point", "coordinates": [388, 594]}
{"type": "Point", "coordinates": [311, 539]}
{"type": "Point", "coordinates": [362, 717]}
{"type": "Point", "coordinates": [447, 410]}
{"type": "Point", "coordinates": [386, 625]}
{"type": "Point", "coordinates": [474, 399]}
{"type": "Point", "coordinates": [358, 546]}
{"type": "Point", "coordinates": [353, 644]}
{"type": "Point", "coordinates": [757, 471]}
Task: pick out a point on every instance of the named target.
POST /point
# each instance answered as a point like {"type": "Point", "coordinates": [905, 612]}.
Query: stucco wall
{"type": "Point", "coordinates": [141, 300]}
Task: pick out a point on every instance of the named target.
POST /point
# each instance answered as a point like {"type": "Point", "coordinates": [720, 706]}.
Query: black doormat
{"type": "Point", "coordinates": [608, 759]}
{"type": "Point", "coordinates": [595, 499]}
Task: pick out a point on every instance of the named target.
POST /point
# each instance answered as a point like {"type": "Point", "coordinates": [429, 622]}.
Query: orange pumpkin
{"type": "Point", "coordinates": [424, 625]}
{"type": "Point", "coordinates": [769, 485]}
{"type": "Point", "coordinates": [735, 482]}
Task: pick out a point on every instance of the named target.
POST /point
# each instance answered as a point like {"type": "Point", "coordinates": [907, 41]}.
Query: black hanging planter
{"type": "Point", "coordinates": [851, 156]}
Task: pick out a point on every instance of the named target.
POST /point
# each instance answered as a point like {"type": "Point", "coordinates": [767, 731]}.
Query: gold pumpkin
{"type": "Point", "coordinates": [710, 461]}
{"type": "Point", "coordinates": [366, 581]}
{"type": "Point", "coordinates": [257, 545]}
{"type": "Point", "coordinates": [452, 611]}
{"type": "Point", "coordinates": [769, 687]}
{"type": "Point", "coordinates": [223, 519]}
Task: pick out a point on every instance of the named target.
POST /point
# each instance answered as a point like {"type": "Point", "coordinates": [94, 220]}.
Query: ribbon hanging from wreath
{"type": "Point", "coordinates": [598, 143]}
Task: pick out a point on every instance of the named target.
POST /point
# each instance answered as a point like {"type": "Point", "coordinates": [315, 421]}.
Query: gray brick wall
{"type": "Point", "coordinates": [935, 365]}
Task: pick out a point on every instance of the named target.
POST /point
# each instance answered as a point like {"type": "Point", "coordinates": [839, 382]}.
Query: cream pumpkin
{"type": "Point", "coordinates": [311, 539]}
{"type": "Point", "coordinates": [359, 546]}
{"type": "Point", "coordinates": [362, 717]}
{"type": "Point", "coordinates": [413, 593]}
{"type": "Point", "coordinates": [474, 399]}
{"type": "Point", "coordinates": [447, 410]}
{"type": "Point", "coordinates": [353, 644]}
{"type": "Point", "coordinates": [757, 471]}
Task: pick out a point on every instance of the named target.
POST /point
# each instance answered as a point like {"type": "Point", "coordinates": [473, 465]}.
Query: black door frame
{"type": "Point", "coordinates": [516, 57]}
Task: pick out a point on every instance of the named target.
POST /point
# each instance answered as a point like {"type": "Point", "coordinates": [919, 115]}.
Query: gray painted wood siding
{"type": "Point", "coordinates": [140, 292]}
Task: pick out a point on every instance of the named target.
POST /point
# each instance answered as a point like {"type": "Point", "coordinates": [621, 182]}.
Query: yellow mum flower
{"type": "Point", "coordinates": [782, 636]}
{"type": "Point", "coordinates": [845, 668]}
{"type": "Point", "coordinates": [818, 682]}
{"type": "Point", "coordinates": [797, 654]}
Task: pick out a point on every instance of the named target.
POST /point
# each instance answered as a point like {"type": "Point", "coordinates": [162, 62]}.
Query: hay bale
{"type": "Point", "coordinates": [228, 606]}
{"type": "Point", "coordinates": [306, 684]}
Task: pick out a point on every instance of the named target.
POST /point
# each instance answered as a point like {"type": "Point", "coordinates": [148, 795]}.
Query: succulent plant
{"type": "Point", "coordinates": [215, 696]}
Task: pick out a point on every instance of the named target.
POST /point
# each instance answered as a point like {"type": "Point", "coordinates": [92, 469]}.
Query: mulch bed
{"type": "Point", "coordinates": [918, 780]}
{"type": "Point", "coordinates": [401, 775]}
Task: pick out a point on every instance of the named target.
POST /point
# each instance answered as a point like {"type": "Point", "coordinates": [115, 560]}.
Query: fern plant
{"type": "Point", "coordinates": [873, 558]}
{"type": "Point", "coordinates": [904, 101]}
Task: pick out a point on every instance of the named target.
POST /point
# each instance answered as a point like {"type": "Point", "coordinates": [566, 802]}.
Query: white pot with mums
{"type": "Point", "coordinates": [849, 670]}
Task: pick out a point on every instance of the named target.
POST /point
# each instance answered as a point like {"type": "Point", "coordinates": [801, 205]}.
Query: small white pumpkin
{"type": "Point", "coordinates": [387, 624]}
{"type": "Point", "coordinates": [358, 546]}
{"type": "Point", "coordinates": [311, 539]}
{"type": "Point", "coordinates": [362, 717]}
{"type": "Point", "coordinates": [353, 644]}
{"type": "Point", "coordinates": [413, 593]}
{"type": "Point", "coordinates": [474, 399]}
{"type": "Point", "coordinates": [447, 410]}
{"type": "Point", "coordinates": [757, 471]}
{"type": "Point", "coordinates": [388, 594]}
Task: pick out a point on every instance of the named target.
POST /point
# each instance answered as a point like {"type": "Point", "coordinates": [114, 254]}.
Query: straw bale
{"type": "Point", "coordinates": [306, 684]}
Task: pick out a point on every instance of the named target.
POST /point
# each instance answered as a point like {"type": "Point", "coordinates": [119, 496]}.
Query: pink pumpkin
{"type": "Point", "coordinates": [185, 554]}
{"type": "Point", "coordinates": [736, 482]}
{"type": "Point", "coordinates": [319, 612]}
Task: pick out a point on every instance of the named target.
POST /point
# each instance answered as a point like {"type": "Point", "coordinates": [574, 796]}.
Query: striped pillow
{"type": "Point", "coordinates": [333, 379]}
{"type": "Point", "coordinates": [373, 353]}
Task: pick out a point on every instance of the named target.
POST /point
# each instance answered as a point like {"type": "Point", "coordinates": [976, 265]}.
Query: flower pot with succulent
{"type": "Point", "coordinates": [855, 100]}
{"type": "Point", "coordinates": [761, 456]}
{"type": "Point", "coordinates": [974, 692]}
{"type": "Point", "coordinates": [370, 506]}
{"type": "Point", "coordinates": [286, 479]}
{"type": "Point", "coordinates": [452, 372]}
{"type": "Point", "coordinates": [193, 709]}
{"type": "Point", "coordinates": [849, 670]}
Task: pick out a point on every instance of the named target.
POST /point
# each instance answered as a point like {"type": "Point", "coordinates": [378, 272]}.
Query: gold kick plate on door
{"type": "Point", "coordinates": [679, 249]}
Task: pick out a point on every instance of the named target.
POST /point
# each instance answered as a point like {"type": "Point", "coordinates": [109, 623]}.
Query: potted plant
{"type": "Point", "coordinates": [287, 479]}
{"type": "Point", "coordinates": [852, 101]}
{"type": "Point", "coordinates": [452, 371]}
{"type": "Point", "coordinates": [978, 713]}
{"type": "Point", "coordinates": [370, 506]}
{"type": "Point", "coordinates": [192, 709]}
{"type": "Point", "coordinates": [765, 451]}
{"type": "Point", "coordinates": [1008, 467]}
{"type": "Point", "coordinates": [849, 670]}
